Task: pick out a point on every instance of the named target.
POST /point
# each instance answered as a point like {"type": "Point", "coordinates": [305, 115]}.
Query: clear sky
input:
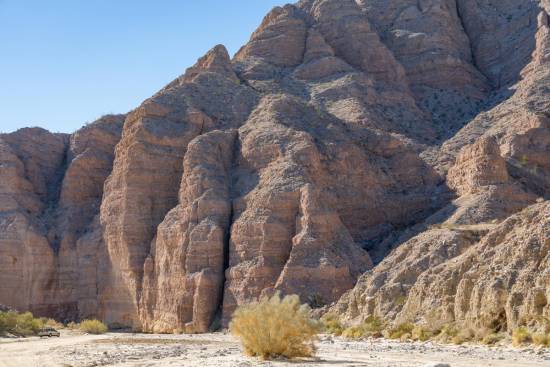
{"type": "Point", "coordinates": [67, 62]}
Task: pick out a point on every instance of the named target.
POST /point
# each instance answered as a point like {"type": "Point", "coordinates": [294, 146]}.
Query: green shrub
{"type": "Point", "coordinates": [27, 324]}
{"type": "Point", "coordinates": [331, 324]}
{"type": "Point", "coordinates": [275, 327]}
{"type": "Point", "coordinates": [421, 333]}
{"type": "Point", "coordinates": [449, 333]}
{"type": "Point", "coordinates": [520, 336]}
{"type": "Point", "coordinates": [93, 327]}
{"type": "Point", "coordinates": [541, 339]}
{"type": "Point", "coordinates": [354, 332]}
{"type": "Point", "coordinates": [23, 324]}
{"type": "Point", "coordinates": [371, 327]}
{"type": "Point", "coordinates": [8, 321]}
{"type": "Point", "coordinates": [492, 338]}
{"type": "Point", "coordinates": [374, 325]}
{"type": "Point", "coordinates": [401, 331]}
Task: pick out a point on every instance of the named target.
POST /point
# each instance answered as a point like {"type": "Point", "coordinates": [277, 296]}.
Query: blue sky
{"type": "Point", "coordinates": [67, 62]}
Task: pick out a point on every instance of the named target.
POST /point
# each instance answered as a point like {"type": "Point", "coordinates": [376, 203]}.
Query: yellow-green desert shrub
{"type": "Point", "coordinates": [354, 332]}
{"type": "Point", "coordinates": [421, 333]}
{"type": "Point", "coordinates": [521, 336]}
{"type": "Point", "coordinates": [541, 339]}
{"type": "Point", "coordinates": [275, 327]}
{"type": "Point", "coordinates": [371, 327]}
{"type": "Point", "coordinates": [331, 324]}
{"type": "Point", "coordinates": [27, 324]}
{"type": "Point", "coordinates": [52, 323]}
{"type": "Point", "coordinates": [401, 331]}
{"type": "Point", "coordinates": [93, 327]}
{"type": "Point", "coordinates": [24, 324]}
{"type": "Point", "coordinates": [73, 326]}
{"type": "Point", "coordinates": [8, 321]}
{"type": "Point", "coordinates": [492, 338]}
{"type": "Point", "coordinates": [449, 333]}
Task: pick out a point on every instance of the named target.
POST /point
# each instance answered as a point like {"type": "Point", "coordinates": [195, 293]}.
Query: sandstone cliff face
{"type": "Point", "coordinates": [51, 189]}
{"type": "Point", "coordinates": [372, 140]}
{"type": "Point", "coordinates": [32, 160]}
{"type": "Point", "coordinates": [487, 275]}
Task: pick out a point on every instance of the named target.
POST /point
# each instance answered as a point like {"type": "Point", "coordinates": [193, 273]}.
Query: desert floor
{"type": "Point", "coordinates": [218, 349]}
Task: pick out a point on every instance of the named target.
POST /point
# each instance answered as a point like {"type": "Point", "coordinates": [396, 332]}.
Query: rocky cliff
{"type": "Point", "coordinates": [391, 156]}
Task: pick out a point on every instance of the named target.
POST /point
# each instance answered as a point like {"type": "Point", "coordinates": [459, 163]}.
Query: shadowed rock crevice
{"type": "Point", "coordinates": [187, 261]}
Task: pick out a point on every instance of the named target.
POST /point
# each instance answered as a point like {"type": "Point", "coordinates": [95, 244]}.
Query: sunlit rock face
{"type": "Point", "coordinates": [392, 142]}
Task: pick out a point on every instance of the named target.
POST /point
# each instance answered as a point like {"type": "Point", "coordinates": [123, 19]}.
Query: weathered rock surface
{"type": "Point", "coordinates": [52, 186]}
{"type": "Point", "coordinates": [495, 275]}
{"type": "Point", "coordinates": [500, 282]}
{"type": "Point", "coordinates": [376, 140]}
{"type": "Point", "coordinates": [184, 273]}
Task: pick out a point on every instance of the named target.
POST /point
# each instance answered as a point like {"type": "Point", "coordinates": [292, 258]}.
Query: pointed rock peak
{"type": "Point", "coordinates": [216, 57]}
{"type": "Point", "coordinates": [334, 8]}
{"type": "Point", "coordinates": [216, 60]}
{"type": "Point", "coordinates": [280, 39]}
{"type": "Point", "coordinates": [276, 15]}
{"type": "Point", "coordinates": [316, 46]}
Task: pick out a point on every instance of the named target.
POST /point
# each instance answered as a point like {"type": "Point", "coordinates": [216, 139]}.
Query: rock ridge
{"type": "Point", "coordinates": [385, 157]}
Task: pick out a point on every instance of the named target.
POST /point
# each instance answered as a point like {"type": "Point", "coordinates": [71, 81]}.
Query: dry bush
{"type": "Point", "coordinates": [449, 333]}
{"type": "Point", "coordinates": [73, 326]}
{"type": "Point", "coordinates": [371, 327]}
{"type": "Point", "coordinates": [492, 338]}
{"type": "Point", "coordinates": [331, 324]}
{"type": "Point", "coordinates": [421, 333]}
{"type": "Point", "coordinates": [24, 324]}
{"type": "Point", "coordinates": [52, 323]}
{"type": "Point", "coordinates": [276, 327]}
{"type": "Point", "coordinates": [520, 336]}
{"type": "Point", "coordinates": [402, 331]}
{"type": "Point", "coordinates": [541, 339]}
{"type": "Point", "coordinates": [93, 327]}
{"type": "Point", "coordinates": [353, 332]}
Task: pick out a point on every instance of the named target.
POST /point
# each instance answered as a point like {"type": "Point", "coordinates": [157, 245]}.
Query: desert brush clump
{"type": "Point", "coordinates": [52, 323]}
{"type": "Point", "coordinates": [22, 324]}
{"type": "Point", "coordinates": [521, 336]}
{"type": "Point", "coordinates": [93, 327]}
{"type": "Point", "coordinates": [492, 338]}
{"type": "Point", "coordinates": [276, 327]}
{"type": "Point", "coordinates": [421, 333]}
{"type": "Point", "coordinates": [401, 331]}
{"type": "Point", "coordinates": [449, 333]}
{"type": "Point", "coordinates": [331, 324]}
{"type": "Point", "coordinates": [541, 339]}
{"type": "Point", "coordinates": [371, 327]}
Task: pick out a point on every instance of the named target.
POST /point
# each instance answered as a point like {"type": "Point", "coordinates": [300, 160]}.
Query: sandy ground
{"type": "Point", "coordinates": [144, 350]}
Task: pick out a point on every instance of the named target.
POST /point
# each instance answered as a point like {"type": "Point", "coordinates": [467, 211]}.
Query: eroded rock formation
{"type": "Point", "coordinates": [480, 261]}
{"type": "Point", "coordinates": [402, 143]}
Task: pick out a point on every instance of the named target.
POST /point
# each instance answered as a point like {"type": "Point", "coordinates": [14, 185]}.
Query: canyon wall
{"type": "Point", "coordinates": [387, 158]}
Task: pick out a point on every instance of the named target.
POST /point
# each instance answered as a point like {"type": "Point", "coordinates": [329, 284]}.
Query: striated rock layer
{"type": "Point", "coordinates": [391, 157]}
{"type": "Point", "coordinates": [481, 261]}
